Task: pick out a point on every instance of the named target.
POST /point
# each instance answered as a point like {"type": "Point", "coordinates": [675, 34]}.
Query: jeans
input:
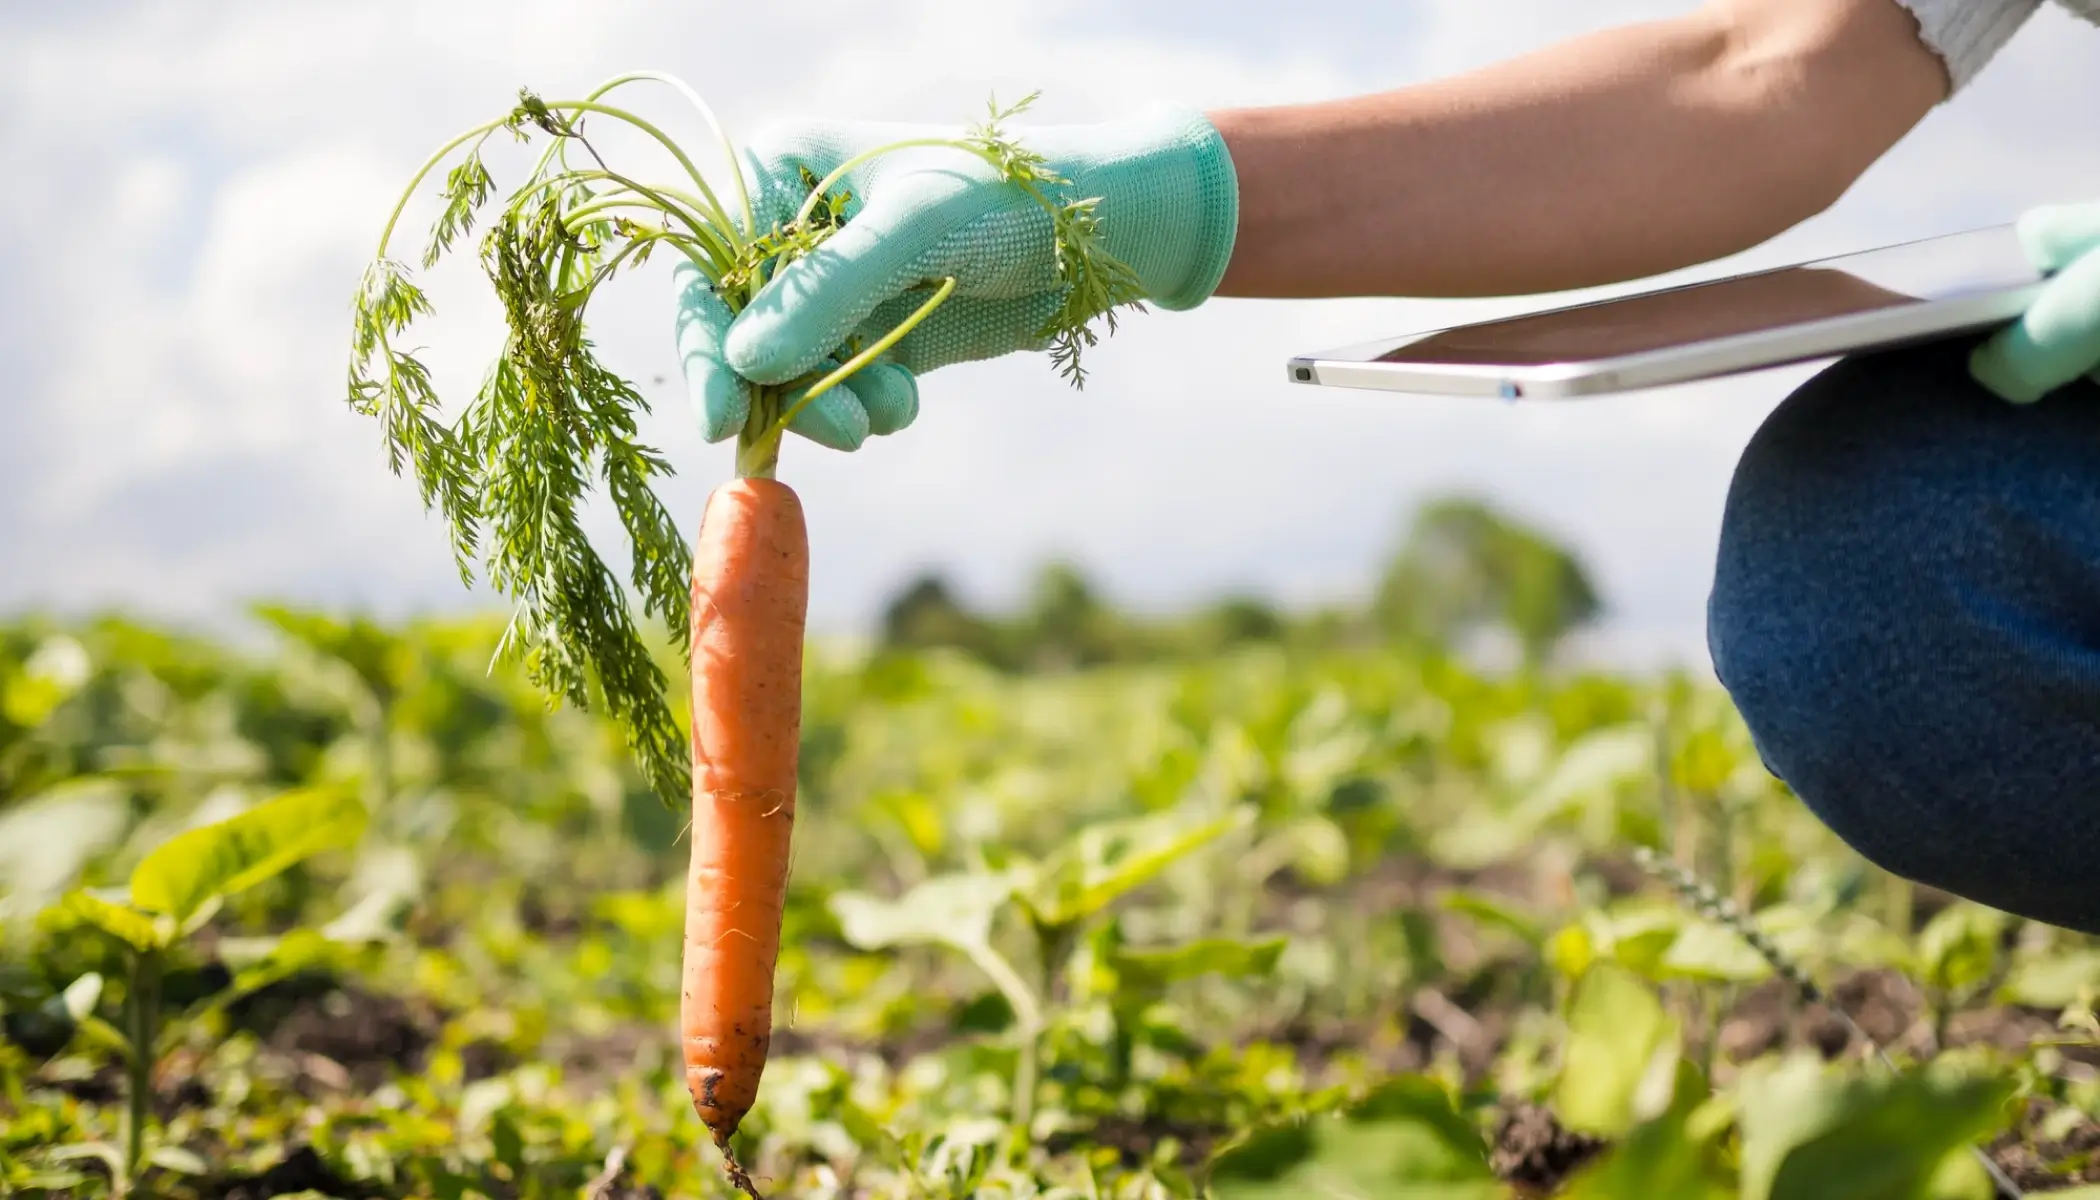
{"type": "Point", "coordinates": [1906, 610]}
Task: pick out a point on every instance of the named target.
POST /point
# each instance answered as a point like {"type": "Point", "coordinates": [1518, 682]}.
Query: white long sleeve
{"type": "Point", "coordinates": [1967, 34]}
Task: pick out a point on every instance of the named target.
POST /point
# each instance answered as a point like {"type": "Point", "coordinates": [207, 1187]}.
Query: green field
{"type": "Point", "coordinates": [1083, 906]}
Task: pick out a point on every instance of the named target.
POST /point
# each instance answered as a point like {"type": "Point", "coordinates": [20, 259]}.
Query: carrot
{"type": "Point", "coordinates": [552, 421]}
{"type": "Point", "coordinates": [749, 604]}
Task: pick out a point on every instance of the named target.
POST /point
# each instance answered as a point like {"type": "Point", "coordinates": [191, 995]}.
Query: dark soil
{"type": "Point", "coordinates": [1388, 1044]}
{"type": "Point", "coordinates": [1532, 1151]}
{"type": "Point", "coordinates": [106, 1086]}
{"type": "Point", "coordinates": [1136, 1139]}
{"type": "Point", "coordinates": [301, 1171]}
{"type": "Point", "coordinates": [1771, 1017]}
{"type": "Point", "coordinates": [484, 1058]}
{"type": "Point", "coordinates": [1890, 1010]}
{"type": "Point", "coordinates": [367, 1034]}
{"type": "Point", "coordinates": [2039, 1164]}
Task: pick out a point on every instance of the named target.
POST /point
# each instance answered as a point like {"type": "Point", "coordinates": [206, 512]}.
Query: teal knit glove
{"type": "Point", "coordinates": [2058, 339]}
{"type": "Point", "coordinates": [1168, 207]}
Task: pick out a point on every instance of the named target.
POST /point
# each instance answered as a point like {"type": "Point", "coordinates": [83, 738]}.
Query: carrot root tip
{"type": "Point", "coordinates": [738, 1177]}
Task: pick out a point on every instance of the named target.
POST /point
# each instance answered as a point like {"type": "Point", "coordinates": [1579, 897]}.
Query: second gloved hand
{"type": "Point", "coordinates": [1168, 208]}
{"type": "Point", "coordinates": [2058, 339]}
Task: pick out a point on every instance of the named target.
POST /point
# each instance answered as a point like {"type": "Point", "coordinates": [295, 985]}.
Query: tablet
{"type": "Point", "coordinates": [1918, 291]}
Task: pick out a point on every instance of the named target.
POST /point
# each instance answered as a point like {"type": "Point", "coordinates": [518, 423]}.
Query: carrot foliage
{"type": "Point", "coordinates": [551, 425]}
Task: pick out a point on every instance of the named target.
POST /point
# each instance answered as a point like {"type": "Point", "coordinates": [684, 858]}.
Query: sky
{"type": "Point", "coordinates": [195, 188]}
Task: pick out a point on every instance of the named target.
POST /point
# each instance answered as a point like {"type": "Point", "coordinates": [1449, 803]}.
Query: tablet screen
{"type": "Point", "coordinates": [1944, 268]}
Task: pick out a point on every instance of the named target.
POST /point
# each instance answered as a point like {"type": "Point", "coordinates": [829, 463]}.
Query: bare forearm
{"type": "Point", "coordinates": [1610, 157]}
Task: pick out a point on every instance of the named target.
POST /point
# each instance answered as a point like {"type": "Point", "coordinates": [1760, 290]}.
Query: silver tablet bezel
{"type": "Point", "coordinates": [1355, 366]}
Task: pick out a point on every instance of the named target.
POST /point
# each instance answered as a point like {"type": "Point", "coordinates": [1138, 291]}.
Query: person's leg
{"type": "Point", "coordinates": [1906, 609]}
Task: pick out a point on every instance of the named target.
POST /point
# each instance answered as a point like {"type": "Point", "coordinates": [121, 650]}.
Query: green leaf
{"type": "Point", "coordinates": [81, 996]}
{"type": "Point", "coordinates": [1810, 1133]}
{"type": "Point", "coordinates": [1659, 1158]}
{"type": "Point", "coordinates": [57, 670]}
{"type": "Point", "coordinates": [1109, 860]}
{"type": "Point", "coordinates": [1958, 948]}
{"type": "Point", "coordinates": [1621, 1057]}
{"type": "Point", "coordinates": [953, 910]}
{"type": "Point", "coordinates": [1153, 969]}
{"type": "Point", "coordinates": [380, 658]}
{"type": "Point", "coordinates": [1641, 935]}
{"type": "Point", "coordinates": [1493, 912]}
{"type": "Point", "coordinates": [46, 839]}
{"type": "Point", "coordinates": [107, 1036]}
{"type": "Point", "coordinates": [178, 1160]}
{"type": "Point", "coordinates": [2054, 981]}
{"type": "Point", "coordinates": [136, 929]}
{"type": "Point", "coordinates": [1404, 1140]}
{"type": "Point", "coordinates": [192, 868]}
{"type": "Point", "coordinates": [1706, 951]}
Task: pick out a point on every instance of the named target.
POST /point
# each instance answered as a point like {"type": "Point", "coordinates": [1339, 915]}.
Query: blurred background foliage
{"type": "Point", "coordinates": [1085, 903]}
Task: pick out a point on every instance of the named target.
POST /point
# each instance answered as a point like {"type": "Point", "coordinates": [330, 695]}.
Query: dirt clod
{"type": "Point", "coordinates": [1533, 1150]}
{"type": "Point", "coordinates": [369, 1035]}
{"type": "Point", "coordinates": [2039, 1164]}
{"type": "Point", "coordinates": [300, 1171]}
{"type": "Point", "coordinates": [1136, 1139]}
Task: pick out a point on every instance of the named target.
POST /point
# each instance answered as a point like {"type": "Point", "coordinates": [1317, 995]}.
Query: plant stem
{"type": "Point", "coordinates": [866, 356]}
{"type": "Point", "coordinates": [824, 186]}
{"type": "Point", "coordinates": [757, 445]}
{"type": "Point", "coordinates": [386, 234]}
{"type": "Point", "coordinates": [719, 214]}
{"type": "Point", "coordinates": [1028, 1024]}
{"type": "Point", "coordinates": [574, 219]}
{"type": "Point", "coordinates": [383, 760]}
{"type": "Point", "coordinates": [743, 194]}
{"type": "Point", "coordinates": [144, 1015]}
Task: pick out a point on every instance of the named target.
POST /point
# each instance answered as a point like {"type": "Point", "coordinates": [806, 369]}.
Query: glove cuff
{"type": "Point", "coordinates": [1170, 200]}
{"type": "Point", "coordinates": [1209, 210]}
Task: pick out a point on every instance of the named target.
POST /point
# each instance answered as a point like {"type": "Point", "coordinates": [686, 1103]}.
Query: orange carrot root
{"type": "Point", "coordinates": [750, 605]}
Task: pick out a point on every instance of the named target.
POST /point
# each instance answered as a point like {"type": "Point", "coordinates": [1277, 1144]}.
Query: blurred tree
{"type": "Point", "coordinates": [926, 614]}
{"type": "Point", "coordinates": [1464, 566]}
{"type": "Point", "coordinates": [1067, 625]}
{"type": "Point", "coordinates": [1234, 621]}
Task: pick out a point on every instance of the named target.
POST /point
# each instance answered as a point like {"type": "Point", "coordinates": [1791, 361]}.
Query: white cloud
{"type": "Point", "coordinates": [176, 439]}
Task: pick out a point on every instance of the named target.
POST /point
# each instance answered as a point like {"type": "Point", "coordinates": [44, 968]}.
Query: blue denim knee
{"type": "Point", "coordinates": [1906, 609]}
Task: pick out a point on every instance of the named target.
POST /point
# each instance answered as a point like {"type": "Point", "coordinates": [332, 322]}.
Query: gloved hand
{"type": "Point", "coordinates": [2058, 339]}
{"type": "Point", "coordinates": [1169, 208]}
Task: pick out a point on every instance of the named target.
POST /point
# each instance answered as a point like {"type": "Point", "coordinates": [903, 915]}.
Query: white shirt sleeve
{"type": "Point", "coordinates": [1966, 34]}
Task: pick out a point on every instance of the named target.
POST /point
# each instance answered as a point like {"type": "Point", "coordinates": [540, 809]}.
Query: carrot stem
{"type": "Point", "coordinates": [758, 454]}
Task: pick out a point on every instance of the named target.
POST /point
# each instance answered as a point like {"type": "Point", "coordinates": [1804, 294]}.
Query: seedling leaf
{"type": "Point", "coordinates": [951, 910]}
{"type": "Point", "coordinates": [1621, 1058]}
{"type": "Point", "coordinates": [1107, 861]}
{"type": "Point", "coordinates": [193, 868]}
{"type": "Point", "coordinates": [1811, 1134]}
{"type": "Point", "coordinates": [1406, 1139]}
{"type": "Point", "coordinates": [136, 929]}
{"type": "Point", "coordinates": [1152, 969]}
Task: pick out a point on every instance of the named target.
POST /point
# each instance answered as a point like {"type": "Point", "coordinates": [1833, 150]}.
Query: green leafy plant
{"type": "Point", "coordinates": [174, 892]}
{"type": "Point", "coordinates": [1058, 893]}
{"type": "Point", "coordinates": [552, 423]}
{"type": "Point", "coordinates": [1399, 1018]}
{"type": "Point", "coordinates": [1405, 1139]}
